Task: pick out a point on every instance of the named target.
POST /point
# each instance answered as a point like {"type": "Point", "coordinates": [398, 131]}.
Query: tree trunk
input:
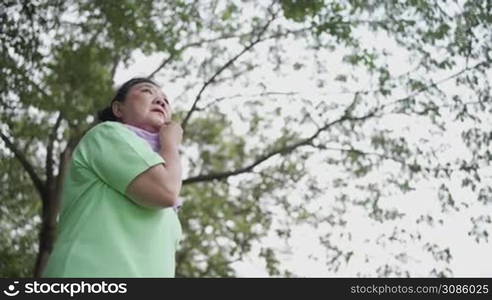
{"type": "Point", "coordinates": [51, 207]}
{"type": "Point", "coordinates": [47, 234]}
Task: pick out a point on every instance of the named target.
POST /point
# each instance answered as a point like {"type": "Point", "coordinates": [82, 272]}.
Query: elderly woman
{"type": "Point", "coordinates": [118, 216]}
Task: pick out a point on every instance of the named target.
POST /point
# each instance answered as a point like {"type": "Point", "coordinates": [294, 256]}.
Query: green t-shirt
{"type": "Point", "coordinates": [102, 232]}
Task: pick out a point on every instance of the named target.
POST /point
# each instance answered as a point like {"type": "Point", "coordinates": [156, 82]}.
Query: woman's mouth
{"type": "Point", "coordinates": [159, 111]}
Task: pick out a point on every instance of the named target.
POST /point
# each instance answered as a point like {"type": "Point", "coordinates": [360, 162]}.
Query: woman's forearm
{"type": "Point", "coordinates": [172, 167]}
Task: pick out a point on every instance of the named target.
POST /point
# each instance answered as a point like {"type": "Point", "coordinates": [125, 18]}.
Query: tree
{"type": "Point", "coordinates": [248, 169]}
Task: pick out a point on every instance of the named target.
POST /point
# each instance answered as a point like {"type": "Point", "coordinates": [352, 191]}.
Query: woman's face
{"type": "Point", "coordinates": [145, 106]}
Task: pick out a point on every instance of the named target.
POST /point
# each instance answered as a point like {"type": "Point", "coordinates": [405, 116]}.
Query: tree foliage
{"type": "Point", "coordinates": [375, 130]}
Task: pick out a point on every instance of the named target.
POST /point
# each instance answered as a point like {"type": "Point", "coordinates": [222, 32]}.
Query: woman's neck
{"type": "Point", "coordinates": [151, 137]}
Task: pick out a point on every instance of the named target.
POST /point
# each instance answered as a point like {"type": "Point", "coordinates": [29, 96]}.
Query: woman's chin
{"type": "Point", "coordinates": [158, 123]}
{"type": "Point", "coordinates": [153, 124]}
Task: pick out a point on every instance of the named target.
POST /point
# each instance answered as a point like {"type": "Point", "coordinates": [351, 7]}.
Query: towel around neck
{"type": "Point", "coordinates": [151, 137]}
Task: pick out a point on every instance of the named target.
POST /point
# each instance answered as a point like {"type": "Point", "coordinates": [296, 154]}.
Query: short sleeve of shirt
{"type": "Point", "coordinates": [115, 154]}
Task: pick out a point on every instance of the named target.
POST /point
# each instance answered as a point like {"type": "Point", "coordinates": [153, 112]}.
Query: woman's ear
{"type": "Point", "coordinates": [116, 107]}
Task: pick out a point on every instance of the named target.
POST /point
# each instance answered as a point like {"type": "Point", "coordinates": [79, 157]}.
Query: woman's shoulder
{"type": "Point", "coordinates": [104, 132]}
{"type": "Point", "coordinates": [105, 127]}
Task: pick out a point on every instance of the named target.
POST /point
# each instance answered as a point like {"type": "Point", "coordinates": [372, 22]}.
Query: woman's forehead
{"type": "Point", "coordinates": [149, 85]}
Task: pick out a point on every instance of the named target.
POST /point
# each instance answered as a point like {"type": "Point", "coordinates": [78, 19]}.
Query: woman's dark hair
{"type": "Point", "coordinates": [106, 114]}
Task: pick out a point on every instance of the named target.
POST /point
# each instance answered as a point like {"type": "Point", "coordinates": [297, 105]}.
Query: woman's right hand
{"type": "Point", "coordinates": [171, 134]}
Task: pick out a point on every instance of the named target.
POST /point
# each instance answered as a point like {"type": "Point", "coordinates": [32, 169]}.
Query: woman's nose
{"type": "Point", "coordinates": [159, 101]}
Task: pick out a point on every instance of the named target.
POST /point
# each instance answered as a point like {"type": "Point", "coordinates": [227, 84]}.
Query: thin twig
{"type": "Point", "coordinates": [433, 84]}
{"type": "Point", "coordinates": [220, 99]}
{"type": "Point", "coordinates": [220, 70]}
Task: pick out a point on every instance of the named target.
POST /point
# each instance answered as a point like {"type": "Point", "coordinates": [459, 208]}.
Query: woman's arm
{"type": "Point", "coordinates": [159, 186]}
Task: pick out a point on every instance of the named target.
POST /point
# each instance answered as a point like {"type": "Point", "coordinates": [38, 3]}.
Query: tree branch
{"type": "Point", "coordinates": [221, 69]}
{"type": "Point", "coordinates": [116, 61]}
{"type": "Point", "coordinates": [360, 152]}
{"type": "Point", "coordinates": [161, 66]}
{"type": "Point", "coordinates": [190, 45]}
{"type": "Point", "coordinates": [220, 99]}
{"type": "Point", "coordinates": [49, 152]}
{"type": "Point", "coordinates": [433, 84]}
{"type": "Point", "coordinates": [308, 141]}
{"type": "Point", "coordinates": [429, 169]}
{"type": "Point", "coordinates": [38, 183]}
{"type": "Point", "coordinates": [284, 150]}
{"type": "Point", "coordinates": [220, 38]}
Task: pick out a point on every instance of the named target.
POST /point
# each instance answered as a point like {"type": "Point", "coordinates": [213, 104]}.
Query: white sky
{"type": "Point", "coordinates": [306, 256]}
